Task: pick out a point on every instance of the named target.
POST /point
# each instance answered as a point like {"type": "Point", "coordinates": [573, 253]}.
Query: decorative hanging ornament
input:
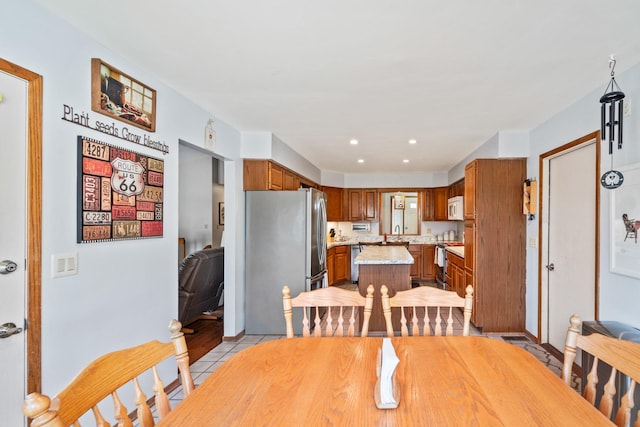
{"type": "Point", "coordinates": [613, 105]}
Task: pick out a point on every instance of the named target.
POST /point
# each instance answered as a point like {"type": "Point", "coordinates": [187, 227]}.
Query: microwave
{"type": "Point", "coordinates": [456, 210]}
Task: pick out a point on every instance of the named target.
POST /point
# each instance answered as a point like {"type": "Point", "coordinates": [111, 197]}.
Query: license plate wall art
{"type": "Point", "coordinates": [120, 193]}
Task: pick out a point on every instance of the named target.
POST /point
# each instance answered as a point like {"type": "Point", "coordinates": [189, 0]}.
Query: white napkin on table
{"type": "Point", "coordinates": [389, 363]}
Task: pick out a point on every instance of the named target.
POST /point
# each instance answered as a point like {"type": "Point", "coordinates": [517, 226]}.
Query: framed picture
{"type": "Point", "coordinates": [625, 223]}
{"type": "Point", "coordinates": [398, 202]}
{"type": "Point", "coordinates": [120, 96]}
{"type": "Point", "coordinates": [221, 213]}
{"type": "Point", "coordinates": [120, 193]}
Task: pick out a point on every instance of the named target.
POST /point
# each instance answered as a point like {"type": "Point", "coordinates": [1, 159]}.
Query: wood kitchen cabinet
{"type": "Point", "coordinates": [495, 234]}
{"type": "Point", "coordinates": [470, 191]}
{"type": "Point", "coordinates": [434, 204]}
{"type": "Point", "coordinates": [362, 204]}
{"type": "Point", "coordinates": [455, 273]}
{"type": "Point", "coordinates": [331, 266]}
{"type": "Point", "coordinates": [291, 181]}
{"type": "Point", "coordinates": [335, 203]}
{"type": "Point", "coordinates": [338, 264]}
{"type": "Point", "coordinates": [457, 188]}
{"type": "Point", "coordinates": [428, 266]}
{"type": "Point", "coordinates": [416, 267]}
{"type": "Point", "coordinates": [343, 263]}
{"type": "Point", "coordinates": [440, 197]}
{"type": "Point", "coordinates": [428, 205]}
{"type": "Point", "coordinates": [261, 174]}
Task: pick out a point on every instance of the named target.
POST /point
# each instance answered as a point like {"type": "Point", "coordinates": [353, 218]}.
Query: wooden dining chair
{"type": "Point", "coordinates": [621, 356]}
{"type": "Point", "coordinates": [424, 305]}
{"type": "Point", "coordinates": [104, 376]}
{"type": "Point", "coordinates": [329, 297]}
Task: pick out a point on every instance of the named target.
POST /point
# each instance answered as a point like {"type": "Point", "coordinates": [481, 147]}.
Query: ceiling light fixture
{"type": "Point", "coordinates": [612, 103]}
{"type": "Point", "coordinates": [405, 161]}
{"type": "Point", "coordinates": [360, 160]}
{"type": "Point", "coordinates": [412, 141]}
{"type": "Point", "coordinates": [353, 142]}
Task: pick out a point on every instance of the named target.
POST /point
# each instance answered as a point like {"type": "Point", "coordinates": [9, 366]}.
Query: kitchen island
{"type": "Point", "coordinates": [383, 265]}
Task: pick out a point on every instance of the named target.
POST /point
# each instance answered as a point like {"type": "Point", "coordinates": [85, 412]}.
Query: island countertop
{"type": "Point", "coordinates": [384, 255]}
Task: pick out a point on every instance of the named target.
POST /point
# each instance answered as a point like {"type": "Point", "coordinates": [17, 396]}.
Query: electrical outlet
{"type": "Point", "coordinates": [64, 264]}
{"type": "Point", "coordinates": [533, 242]}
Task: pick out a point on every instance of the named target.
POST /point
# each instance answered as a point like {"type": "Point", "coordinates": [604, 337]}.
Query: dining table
{"type": "Point", "coordinates": [442, 381]}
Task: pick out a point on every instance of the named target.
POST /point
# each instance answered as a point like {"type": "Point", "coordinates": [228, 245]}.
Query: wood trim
{"type": "Point", "coordinates": [234, 337]}
{"type": "Point", "coordinates": [543, 157]}
{"type": "Point", "coordinates": [34, 221]}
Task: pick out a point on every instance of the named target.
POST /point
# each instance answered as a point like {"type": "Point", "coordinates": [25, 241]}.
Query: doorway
{"type": "Point", "coordinates": [201, 225]}
{"type": "Point", "coordinates": [569, 229]}
{"type": "Point", "coordinates": [21, 174]}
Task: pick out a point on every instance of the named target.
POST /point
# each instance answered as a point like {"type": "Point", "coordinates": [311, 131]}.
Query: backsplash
{"type": "Point", "coordinates": [427, 229]}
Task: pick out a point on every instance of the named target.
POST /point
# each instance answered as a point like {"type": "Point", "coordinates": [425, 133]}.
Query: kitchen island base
{"type": "Point", "coordinates": [396, 277]}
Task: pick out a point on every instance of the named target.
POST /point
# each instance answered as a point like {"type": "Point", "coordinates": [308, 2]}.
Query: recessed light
{"type": "Point", "coordinates": [412, 141]}
{"type": "Point", "coordinates": [405, 161]}
{"type": "Point", "coordinates": [360, 160]}
{"type": "Point", "coordinates": [353, 142]}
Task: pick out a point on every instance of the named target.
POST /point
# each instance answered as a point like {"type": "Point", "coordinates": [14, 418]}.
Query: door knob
{"type": "Point", "coordinates": [9, 329]}
{"type": "Point", "coordinates": [551, 267]}
{"type": "Point", "coordinates": [7, 266]}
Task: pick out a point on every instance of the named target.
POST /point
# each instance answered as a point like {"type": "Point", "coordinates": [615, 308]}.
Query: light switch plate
{"type": "Point", "coordinates": [64, 264]}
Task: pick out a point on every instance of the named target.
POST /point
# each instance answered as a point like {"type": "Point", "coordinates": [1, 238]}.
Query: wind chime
{"type": "Point", "coordinates": [612, 126]}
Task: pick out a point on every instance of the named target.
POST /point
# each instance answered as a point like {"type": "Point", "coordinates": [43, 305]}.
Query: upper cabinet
{"type": "Point", "coordinates": [335, 203]}
{"type": "Point", "coordinates": [268, 175]}
{"type": "Point", "coordinates": [440, 196]}
{"type": "Point", "coordinates": [457, 188]}
{"type": "Point", "coordinates": [470, 191]}
{"type": "Point", "coordinates": [427, 204]}
{"type": "Point", "coordinates": [434, 204]}
{"type": "Point", "coordinates": [362, 204]}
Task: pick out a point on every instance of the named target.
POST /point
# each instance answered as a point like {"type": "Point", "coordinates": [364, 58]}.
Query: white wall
{"type": "Point", "coordinates": [195, 198]}
{"type": "Point", "coordinates": [619, 295]}
{"type": "Point", "coordinates": [125, 292]}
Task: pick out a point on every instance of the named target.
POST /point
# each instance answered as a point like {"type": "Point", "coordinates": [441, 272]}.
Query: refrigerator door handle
{"type": "Point", "coordinates": [322, 232]}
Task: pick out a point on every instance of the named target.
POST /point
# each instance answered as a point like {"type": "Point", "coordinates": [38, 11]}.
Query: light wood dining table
{"type": "Point", "coordinates": [444, 381]}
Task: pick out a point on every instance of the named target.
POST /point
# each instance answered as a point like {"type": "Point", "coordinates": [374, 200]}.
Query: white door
{"type": "Point", "coordinates": [13, 143]}
{"type": "Point", "coordinates": [571, 240]}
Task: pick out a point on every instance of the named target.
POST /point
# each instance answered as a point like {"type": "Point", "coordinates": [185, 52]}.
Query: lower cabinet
{"type": "Point", "coordinates": [416, 267]}
{"type": "Point", "coordinates": [331, 263]}
{"type": "Point", "coordinates": [455, 273]}
{"type": "Point", "coordinates": [338, 264]}
{"type": "Point", "coordinates": [428, 267]}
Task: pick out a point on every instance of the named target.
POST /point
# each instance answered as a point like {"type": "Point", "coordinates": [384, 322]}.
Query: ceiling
{"type": "Point", "coordinates": [449, 74]}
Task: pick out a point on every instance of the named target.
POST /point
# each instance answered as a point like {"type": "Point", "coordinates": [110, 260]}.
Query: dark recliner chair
{"type": "Point", "coordinates": [201, 283]}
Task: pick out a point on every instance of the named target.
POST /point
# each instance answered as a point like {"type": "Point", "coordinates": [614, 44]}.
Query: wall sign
{"type": "Point", "coordinates": [120, 193]}
{"type": "Point", "coordinates": [71, 115]}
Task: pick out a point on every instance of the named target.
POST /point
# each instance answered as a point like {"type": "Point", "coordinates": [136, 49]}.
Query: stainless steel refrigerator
{"type": "Point", "coordinates": [286, 244]}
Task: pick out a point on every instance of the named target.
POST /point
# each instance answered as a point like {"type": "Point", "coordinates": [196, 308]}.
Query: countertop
{"type": "Point", "coordinates": [413, 240]}
{"type": "Point", "coordinates": [458, 250]}
{"type": "Point", "coordinates": [384, 255]}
